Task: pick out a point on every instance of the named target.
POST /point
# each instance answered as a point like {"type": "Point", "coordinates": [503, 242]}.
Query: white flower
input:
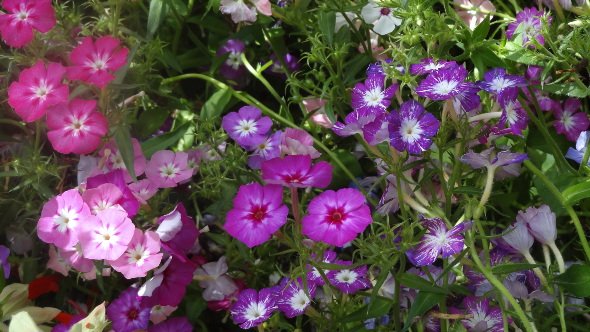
{"type": "Point", "coordinates": [382, 18]}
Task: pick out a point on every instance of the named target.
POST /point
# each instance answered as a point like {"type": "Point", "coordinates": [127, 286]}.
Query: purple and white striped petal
{"type": "Point", "coordinates": [412, 128]}
{"type": "Point", "coordinates": [443, 84]}
{"type": "Point", "coordinates": [372, 94]}
{"type": "Point", "coordinates": [429, 65]}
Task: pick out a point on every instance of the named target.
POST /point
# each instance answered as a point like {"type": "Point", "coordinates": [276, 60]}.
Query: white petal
{"type": "Point", "coordinates": [170, 226]}
{"type": "Point", "coordinates": [385, 24]}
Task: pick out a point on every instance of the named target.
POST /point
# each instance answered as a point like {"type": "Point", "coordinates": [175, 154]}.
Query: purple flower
{"type": "Point", "coordinates": [349, 281]}
{"type": "Point", "coordinates": [291, 61]}
{"type": "Point", "coordinates": [412, 128]}
{"type": "Point", "coordinates": [519, 238]}
{"type": "Point", "coordinates": [4, 253]}
{"type": "Point", "coordinates": [504, 86]}
{"type": "Point", "coordinates": [176, 324]}
{"type": "Point", "coordinates": [489, 160]}
{"type": "Point", "coordinates": [232, 68]}
{"type": "Point", "coordinates": [377, 131]}
{"type": "Point", "coordinates": [528, 25]}
{"type": "Point", "coordinates": [569, 122]}
{"type": "Point", "coordinates": [372, 95]}
{"type": "Point", "coordinates": [577, 154]}
{"type": "Point", "coordinates": [178, 232]}
{"type": "Point", "coordinates": [247, 127]}
{"type": "Point", "coordinates": [252, 308]}
{"type": "Point", "coordinates": [482, 316]}
{"type": "Point", "coordinates": [168, 285]}
{"type": "Point", "coordinates": [429, 65]}
{"type": "Point", "coordinates": [540, 222]}
{"type": "Point", "coordinates": [467, 100]}
{"type": "Point", "coordinates": [314, 276]}
{"type": "Point", "coordinates": [356, 122]}
{"type": "Point", "coordinates": [128, 313]}
{"type": "Point", "coordinates": [444, 84]}
{"type": "Point", "coordinates": [378, 68]}
{"type": "Point", "coordinates": [389, 202]}
{"type": "Point", "coordinates": [513, 120]}
{"type": "Point", "coordinates": [293, 298]}
{"type": "Point", "coordinates": [268, 149]}
{"type": "Point", "coordinates": [297, 172]}
{"type": "Point", "coordinates": [438, 239]}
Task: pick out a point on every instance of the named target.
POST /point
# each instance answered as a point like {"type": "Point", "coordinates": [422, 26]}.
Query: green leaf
{"type": "Point", "coordinates": [420, 284]}
{"type": "Point", "coordinates": [481, 31]}
{"type": "Point", "coordinates": [576, 280]}
{"type": "Point", "coordinates": [378, 307]}
{"type": "Point", "coordinates": [567, 89]}
{"type": "Point", "coordinates": [215, 105]}
{"type": "Point", "coordinates": [125, 146]}
{"type": "Point", "coordinates": [513, 267]}
{"type": "Point", "coordinates": [149, 121]}
{"type": "Point", "coordinates": [156, 14]}
{"type": "Point", "coordinates": [162, 142]}
{"type": "Point", "coordinates": [423, 302]}
{"type": "Point", "coordinates": [577, 192]}
{"type": "Point", "coordinates": [327, 22]}
{"type": "Point", "coordinates": [520, 54]}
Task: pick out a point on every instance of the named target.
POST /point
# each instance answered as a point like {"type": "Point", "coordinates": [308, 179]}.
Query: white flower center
{"type": "Point", "coordinates": [106, 236]}
{"type": "Point", "coordinates": [246, 127]}
{"type": "Point", "coordinates": [42, 90]}
{"type": "Point", "coordinates": [99, 62]}
{"type": "Point", "coordinates": [255, 310]}
{"type": "Point", "coordinates": [433, 66]}
{"type": "Point", "coordinates": [77, 125]}
{"type": "Point", "coordinates": [444, 87]}
{"type": "Point", "coordinates": [169, 171]}
{"type": "Point", "coordinates": [567, 121]}
{"type": "Point", "coordinates": [234, 60]}
{"type": "Point", "coordinates": [299, 301]}
{"type": "Point", "coordinates": [500, 83]}
{"type": "Point", "coordinates": [65, 219]}
{"type": "Point", "coordinates": [511, 114]}
{"type": "Point", "coordinates": [137, 255]}
{"type": "Point", "coordinates": [346, 276]}
{"type": "Point", "coordinates": [22, 14]}
{"type": "Point", "coordinates": [117, 161]}
{"type": "Point", "coordinates": [410, 130]}
{"type": "Point", "coordinates": [373, 97]}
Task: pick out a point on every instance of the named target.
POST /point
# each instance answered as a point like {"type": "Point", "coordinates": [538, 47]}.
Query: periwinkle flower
{"type": "Point", "coordinates": [412, 128]}
{"type": "Point", "coordinates": [577, 154]}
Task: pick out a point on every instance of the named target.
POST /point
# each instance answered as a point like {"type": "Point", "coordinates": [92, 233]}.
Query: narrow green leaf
{"type": "Point", "coordinates": [576, 280]}
{"type": "Point", "coordinates": [420, 284]}
{"type": "Point", "coordinates": [481, 31]}
{"type": "Point", "coordinates": [379, 306]}
{"type": "Point", "coordinates": [155, 16]}
{"type": "Point", "coordinates": [216, 104]}
{"type": "Point", "coordinates": [577, 192]}
{"type": "Point", "coordinates": [162, 142]}
{"type": "Point", "coordinates": [567, 89]}
{"type": "Point", "coordinates": [512, 267]}
{"type": "Point", "coordinates": [327, 22]}
{"type": "Point", "coordinates": [424, 301]}
{"type": "Point", "coordinates": [149, 121]}
{"type": "Point", "coordinates": [123, 140]}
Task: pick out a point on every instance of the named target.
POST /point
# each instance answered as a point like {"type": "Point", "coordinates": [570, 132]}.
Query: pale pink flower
{"type": "Point", "coordinates": [56, 262]}
{"type": "Point", "coordinates": [95, 62]}
{"type": "Point", "coordinates": [38, 88]}
{"type": "Point", "coordinates": [298, 142]}
{"type": "Point", "coordinates": [243, 11]}
{"type": "Point", "coordinates": [113, 159]}
{"type": "Point", "coordinates": [212, 277]}
{"type": "Point", "coordinates": [77, 127]}
{"type": "Point", "coordinates": [74, 258]}
{"type": "Point", "coordinates": [102, 197]}
{"type": "Point", "coordinates": [107, 236]}
{"type": "Point", "coordinates": [167, 168]}
{"type": "Point", "coordinates": [319, 117]}
{"type": "Point", "coordinates": [160, 313]}
{"type": "Point", "coordinates": [61, 219]}
{"type": "Point", "coordinates": [383, 19]}
{"type": "Point", "coordinates": [24, 16]}
{"type": "Point", "coordinates": [142, 255]}
{"type": "Point", "coordinates": [143, 190]}
{"type": "Point", "coordinates": [473, 12]}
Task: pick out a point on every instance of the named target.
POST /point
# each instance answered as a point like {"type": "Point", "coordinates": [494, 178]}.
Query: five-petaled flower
{"type": "Point", "coordinates": [247, 127]}
{"type": "Point", "coordinates": [22, 17]}
{"type": "Point", "coordinates": [252, 308]}
{"type": "Point", "coordinates": [438, 239]}
{"type": "Point", "coordinates": [297, 172]}
{"type": "Point", "coordinates": [412, 128]}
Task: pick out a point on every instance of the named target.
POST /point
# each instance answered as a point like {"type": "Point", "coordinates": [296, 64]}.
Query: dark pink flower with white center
{"type": "Point", "coordinates": [167, 168]}
{"type": "Point", "coordinates": [349, 281]}
{"type": "Point", "coordinates": [412, 128]}
{"type": "Point", "coordinates": [127, 200]}
{"type": "Point", "coordinates": [569, 122]}
{"type": "Point", "coordinates": [61, 219]}
{"type": "Point", "coordinates": [252, 308]}
{"type": "Point", "coordinates": [438, 240]}
{"type": "Point", "coordinates": [143, 190]}
{"type": "Point", "coordinates": [337, 217]}
{"type": "Point", "coordinates": [22, 17]}
{"type": "Point", "coordinates": [297, 172]}
{"type": "Point", "coordinates": [314, 276]}
{"type": "Point", "coordinates": [372, 95]}
{"type": "Point", "coordinates": [268, 149]}
{"type": "Point", "coordinates": [107, 236]}
{"type": "Point", "coordinates": [76, 127]}
{"type": "Point", "coordinates": [113, 160]}
{"type": "Point", "coordinates": [529, 25]}
{"type": "Point", "coordinates": [142, 255]}
{"type": "Point", "coordinates": [247, 126]}
{"type": "Point", "coordinates": [258, 212]}
{"type": "Point", "coordinates": [513, 120]}
{"type": "Point", "coordinates": [102, 197]}
{"type": "Point", "coordinates": [444, 84]}
{"type": "Point", "coordinates": [298, 142]}
{"type": "Point", "coordinates": [38, 88]}
{"type": "Point", "coordinates": [482, 316]}
{"type": "Point", "coordinates": [292, 298]}
{"type": "Point", "coordinates": [95, 61]}
{"type": "Point", "coordinates": [429, 65]}
{"type": "Point", "coordinates": [499, 83]}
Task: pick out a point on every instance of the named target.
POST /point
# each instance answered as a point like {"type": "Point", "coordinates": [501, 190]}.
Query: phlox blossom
{"type": "Point", "coordinates": [76, 127]}
{"type": "Point", "coordinates": [349, 280]}
{"type": "Point", "coordinates": [128, 313]}
{"type": "Point", "coordinates": [107, 236]}
{"type": "Point", "coordinates": [22, 17]}
{"type": "Point", "coordinates": [297, 172]}
{"type": "Point", "coordinates": [113, 159]}
{"type": "Point", "coordinates": [247, 126]}
{"type": "Point", "coordinates": [438, 239]}
{"type": "Point", "coordinates": [103, 197]}
{"type": "Point", "coordinates": [292, 298]}
{"type": "Point", "coordinates": [168, 285]}
{"type": "Point", "coordinates": [412, 128]}
{"type": "Point", "coordinates": [95, 61]}
{"type": "Point", "coordinates": [252, 308]}
{"type": "Point", "coordinates": [38, 88]}
{"type": "Point", "coordinates": [142, 255]}
{"type": "Point", "coordinates": [167, 168]}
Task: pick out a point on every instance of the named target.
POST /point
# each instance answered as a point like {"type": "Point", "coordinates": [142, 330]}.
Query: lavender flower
{"type": "Point", "coordinates": [437, 240]}
{"type": "Point", "coordinates": [128, 313]}
{"type": "Point", "coordinates": [502, 85]}
{"type": "Point", "coordinates": [268, 149]}
{"type": "Point", "coordinates": [412, 128]}
{"type": "Point", "coordinates": [540, 222]}
{"type": "Point", "coordinates": [349, 281]}
{"type": "Point", "coordinates": [372, 95]}
{"type": "Point", "coordinates": [247, 127]}
{"type": "Point", "coordinates": [482, 316]}
{"type": "Point", "coordinates": [577, 154]}
{"type": "Point", "coordinates": [503, 162]}
{"type": "Point", "coordinates": [4, 253]}
{"type": "Point", "coordinates": [519, 238]}
{"type": "Point", "coordinates": [429, 65]}
{"type": "Point", "coordinates": [232, 68]}
{"type": "Point", "coordinates": [292, 298]}
{"type": "Point", "coordinates": [444, 84]}
{"type": "Point", "coordinates": [528, 25]}
{"type": "Point", "coordinates": [252, 308]}
{"type": "Point", "coordinates": [356, 121]}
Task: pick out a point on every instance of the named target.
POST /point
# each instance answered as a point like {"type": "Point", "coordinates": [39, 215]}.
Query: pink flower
{"type": "Point", "coordinates": [258, 212]}
{"type": "Point", "coordinates": [242, 12]}
{"type": "Point", "coordinates": [24, 16]}
{"type": "Point", "coordinates": [37, 89]}
{"type": "Point", "coordinates": [95, 62]}
{"type": "Point", "coordinates": [316, 106]}
{"type": "Point", "coordinates": [56, 262]}
{"type": "Point", "coordinates": [113, 159]}
{"type": "Point", "coordinates": [61, 219]}
{"type": "Point", "coordinates": [127, 200]}
{"type": "Point", "coordinates": [76, 127]}
{"type": "Point", "coordinates": [74, 258]}
{"type": "Point", "coordinates": [159, 313]}
{"type": "Point", "coordinates": [336, 217]}
{"type": "Point", "coordinates": [166, 168]}
{"type": "Point", "coordinates": [107, 236]}
{"type": "Point", "coordinates": [103, 197]}
{"type": "Point", "coordinates": [143, 190]}
{"type": "Point", "coordinates": [297, 172]}
{"type": "Point", "coordinates": [298, 142]}
{"type": "Point", "coordinates": [473, 12]}
{"type": "Point", "coordinates": [142, 255]}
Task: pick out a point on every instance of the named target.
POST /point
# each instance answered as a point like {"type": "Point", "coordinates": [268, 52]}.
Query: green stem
{"type": "Point", "coordinates": [487, 192]}
{"type": "Point", "coordinates": [295, 205]}
{"type": "Point", "coordinates": [577, 224]}
{"type": "Point", "coordinates": [558, 256]}
{"type": "Point", "coordinates": [264, 82]}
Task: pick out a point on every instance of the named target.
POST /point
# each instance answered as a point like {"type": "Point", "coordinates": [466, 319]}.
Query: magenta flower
{"type": "Point", "coordinates": [178, 232]}
{"type": "Point", "coordinates": [337, 217]}
{"type": "Point", "coordinates": [61, 219]}
{"type": "Point", "coordinates": [175, 324]}
{"type": "Point", "coordinates": [569, 122]}
{"type": "Point", "coordinates": [38, 88]}
{"type": "Point", "coordinates": [528, 25]}
{"type": "Point", "coordinates": [268, 149]}
{"type": "Point", "coordinates": [292, 298]}
{"type": "Point", "coordinates": [142, 255]}
{"type": "Point", "coordinates": [372, 95]}
{"type": "Point", "coordinates": [22, 17]}
{"type": "Point", "coordinates": [167, 168]}
{"type": "Point", "coordinates": [143, 190]}
{"type": "Point", "coordinates": [77, 127]}
{"type": "Point", "coordinates": [298, 142]}
{"type": "Point", "coordinates": [503, 86]}
{"type": "Point", "coordinates": [128, 313]}
{"type": "Point", "coordinates": [127, 200]}
{"type": "Point", "coordinates": [168, 285]}
{"type": "Point", "coordinates": [429, 65]}
{"type": "Point", "coordinates": [107, 236]}
{"type": "Point", "coordinates": [412, 128]}
{"type": "Point", "coordinates": [95, 61]}
{"type": "Point", "coordinates": [349, 281]}
{"type": "Point", "coordinates": [438, 239]}
{"type": "Point", "coordinates": [314, 276]}
{"type": "Point", "coordinates": [252, 308]}
{"type": "Point", "coordinates": [297, 172]}
{"type": "Point", "coordinates": [258, 212]}
{"type": "Point", "coordinates": [444, 84]}
{"type": "Point", "coordinates": [247, 127]}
